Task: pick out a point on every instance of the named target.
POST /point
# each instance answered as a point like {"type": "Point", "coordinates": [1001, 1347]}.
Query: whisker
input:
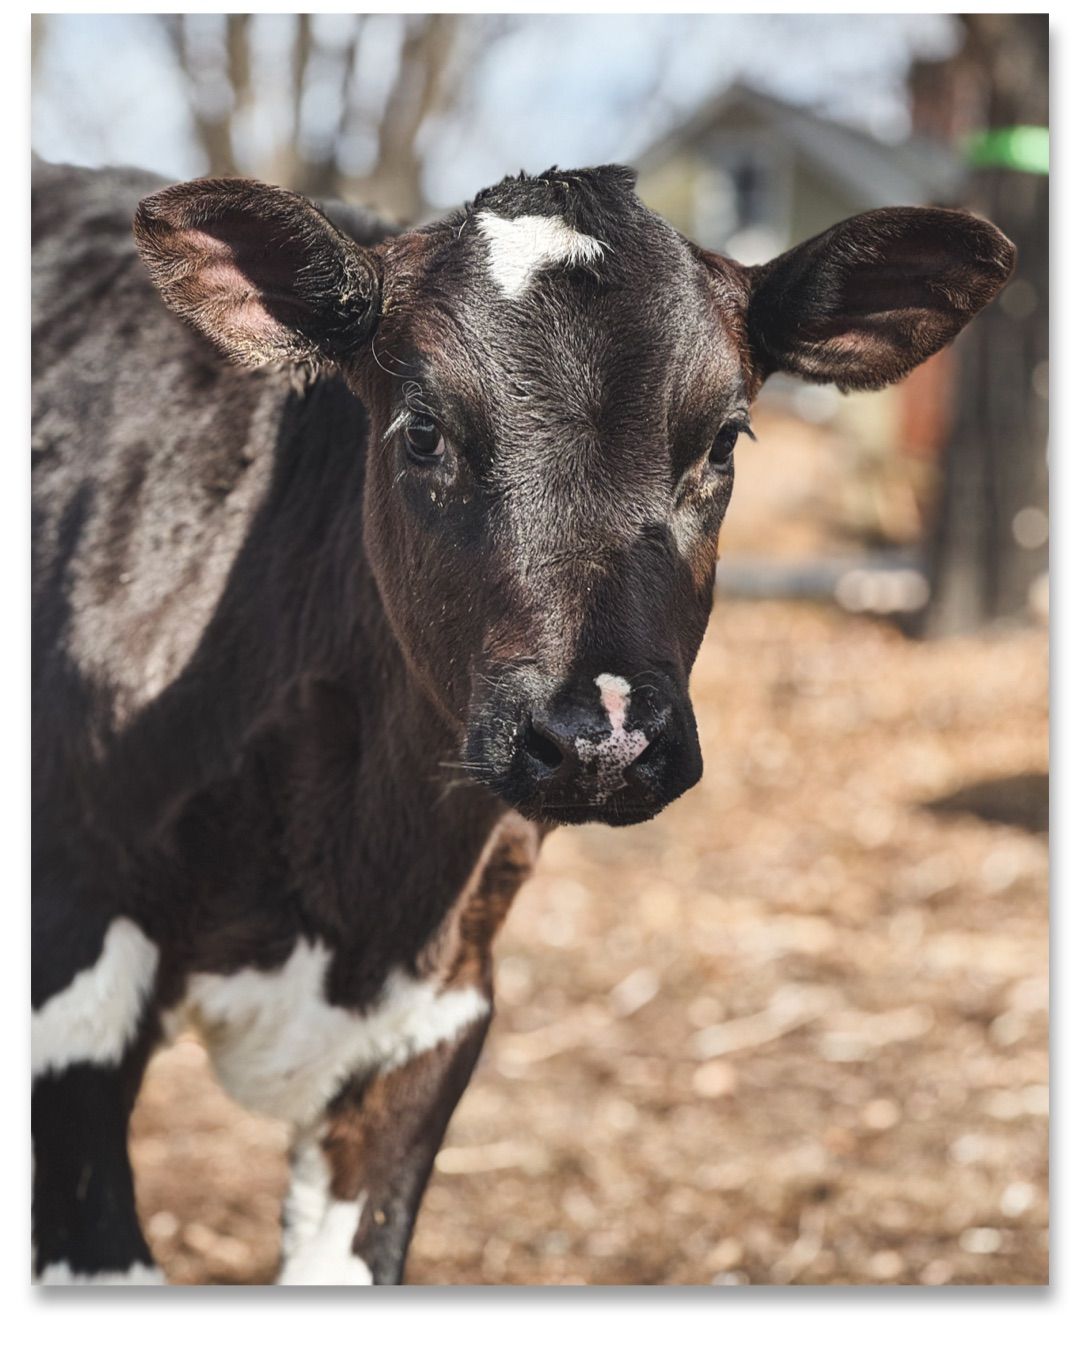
{"type": "Point", "coordinates": [386, 369]}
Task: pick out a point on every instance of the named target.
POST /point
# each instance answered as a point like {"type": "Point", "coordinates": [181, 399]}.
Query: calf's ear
{"type": "Point", "coordinates": [259, 271]}
{"type": "Point", "coordinates": [864, 303]}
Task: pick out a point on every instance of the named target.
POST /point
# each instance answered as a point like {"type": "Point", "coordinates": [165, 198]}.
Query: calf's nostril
{"type": "Point", "coordinates": [542, 747]}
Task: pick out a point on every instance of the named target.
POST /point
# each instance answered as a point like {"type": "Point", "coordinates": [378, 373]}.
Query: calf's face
{"type": "Point", "coordinates": [557, 393]}
{"type": "Point", "coordinates": [557, 381]}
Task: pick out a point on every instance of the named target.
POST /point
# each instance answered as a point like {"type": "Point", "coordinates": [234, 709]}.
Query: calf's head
{"type": "Point", "coordinates": [557, 381]}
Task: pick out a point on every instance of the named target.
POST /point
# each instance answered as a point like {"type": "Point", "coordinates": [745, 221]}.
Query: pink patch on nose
{"type": "Point", "coordinates": [614, 692]}
{"type": "Point", "coordinates": [619, 748]}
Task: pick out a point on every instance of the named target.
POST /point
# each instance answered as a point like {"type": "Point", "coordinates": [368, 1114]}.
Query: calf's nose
{"type": "Point", "coordinates": [574, 737]}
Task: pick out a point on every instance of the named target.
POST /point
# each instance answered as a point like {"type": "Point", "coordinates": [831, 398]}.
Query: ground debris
{"type": "Point", "coordinates": [793, 1031]}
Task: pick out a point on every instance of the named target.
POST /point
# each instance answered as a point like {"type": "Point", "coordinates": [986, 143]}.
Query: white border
{"type": "Point", "coordinates": [882, 1319]}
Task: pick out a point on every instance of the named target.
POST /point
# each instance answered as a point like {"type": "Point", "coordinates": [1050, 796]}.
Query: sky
{"type": "Point", "coordinates": [566, 89]}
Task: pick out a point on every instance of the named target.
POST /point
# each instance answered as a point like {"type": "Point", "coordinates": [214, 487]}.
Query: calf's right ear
{"type": "Point", "coordinates": [258, 270]}
{"type": "Point", "coordinates": [868, 300]}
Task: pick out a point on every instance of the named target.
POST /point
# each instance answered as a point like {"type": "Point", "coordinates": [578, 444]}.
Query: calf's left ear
{"type": "Point", "coordinates": [258, 270]}
{"type": "Point", "coordinates": [864, 303]}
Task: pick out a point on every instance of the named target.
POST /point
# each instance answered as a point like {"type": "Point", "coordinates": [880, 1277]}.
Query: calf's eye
{"type": "Point", "coordinates": [424, 440]}
{"type": "Point", "coordinates": [724, 445]}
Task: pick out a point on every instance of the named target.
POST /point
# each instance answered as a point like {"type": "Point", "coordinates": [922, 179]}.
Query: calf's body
{"type": "Point", "coordinates": [324, 642]}
{"type": "Point", "coordinates": [239, 810]}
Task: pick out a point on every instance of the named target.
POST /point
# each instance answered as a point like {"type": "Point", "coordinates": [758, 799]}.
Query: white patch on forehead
{"type": "Point", "coordinates": [94, 1019]}
{"type": "Point", "coordinates": [318, 1229]}
{"type": "Point", "coordinates": [519, 248]}
{"type": "Point", "coordinates": [61, 1273]}
{"type": "Point", "coordinates": [279, 1047]}
{"type": "Point", "coordinates": [619, 748]}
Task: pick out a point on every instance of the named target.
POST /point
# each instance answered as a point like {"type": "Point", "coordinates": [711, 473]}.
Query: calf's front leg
{"type": "Point", "coordinates": [91, 1034]}
{"type": "Point", "coordinates": [359, 1177]}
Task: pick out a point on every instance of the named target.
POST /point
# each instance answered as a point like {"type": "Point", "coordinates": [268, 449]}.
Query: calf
{"type": "Point", "coordinates": [329, 633]}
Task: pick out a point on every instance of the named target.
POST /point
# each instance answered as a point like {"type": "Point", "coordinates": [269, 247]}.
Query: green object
{"type": "Point", "coordinates": [1025, 149]}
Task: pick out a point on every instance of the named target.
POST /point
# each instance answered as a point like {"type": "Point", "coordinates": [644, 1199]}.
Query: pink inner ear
{"type": "Point", "coordinates": [221, 274]}
{"type": "Point", "coordinates": [218, 279]}
{"type": "Point", "coordinates": [249, 316]}
{"type": "Point", "coordinates": [259, 271]}
{"type": "Point", "coordinates": [205, 241]}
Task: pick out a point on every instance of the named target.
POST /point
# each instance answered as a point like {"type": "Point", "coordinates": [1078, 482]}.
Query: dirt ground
{"type": "Point", "coordinates": [793, 1031]}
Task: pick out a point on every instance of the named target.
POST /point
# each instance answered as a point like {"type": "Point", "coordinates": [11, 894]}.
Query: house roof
{"type": "Point", "coordinates": [871, 172]}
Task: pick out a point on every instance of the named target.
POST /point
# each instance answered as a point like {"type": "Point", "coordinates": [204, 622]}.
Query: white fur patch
{"type": "Point", "coordinates": [61, 1273]}
{"type": "Point", "coordinates": [519, 248]}
{"type": "Point", "coordinates": [328, 1257]}
{"type": "Point", "coordinates": [319, 1230]}
{"type": "Point", "coordinates": [279, 1047]}
{"type": "Point", "coordinates": [683, 527]}
{"type": "Point", "coordinates": [93, 1020]}
{"type": "Point", "coordinates": [619, 748]}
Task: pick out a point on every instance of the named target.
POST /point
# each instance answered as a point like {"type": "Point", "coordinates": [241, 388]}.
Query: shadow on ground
{"type": "Point", "coordinates": [1020, 799]}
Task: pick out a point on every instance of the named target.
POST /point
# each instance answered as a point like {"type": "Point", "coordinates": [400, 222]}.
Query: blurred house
{"type": "Point", "coordinates": [749, 176]}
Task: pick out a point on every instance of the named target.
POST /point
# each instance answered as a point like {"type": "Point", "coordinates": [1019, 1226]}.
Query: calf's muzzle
{"type": "Point", "coordinates": [602, 747]}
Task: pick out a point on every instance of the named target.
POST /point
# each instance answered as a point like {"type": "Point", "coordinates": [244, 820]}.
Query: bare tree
{"type": "Point", "coordinates": [427, 86]}
{"type": "Point", "coordinates": [315, 166]}
{"type": "Point", "coordinates": [990, 544]}
{"type": "Point", "coordinates": [422, 90]}
{"type": "Point", "coordinates": [38, 32]}
{"type": "Point", "coordinates": [216, 92]}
